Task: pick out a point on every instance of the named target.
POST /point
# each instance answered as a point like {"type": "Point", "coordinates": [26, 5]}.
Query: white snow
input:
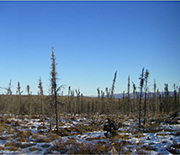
{"type": "Point", "coordinates": [154, 143]}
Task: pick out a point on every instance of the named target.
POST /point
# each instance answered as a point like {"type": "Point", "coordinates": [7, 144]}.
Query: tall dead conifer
{"type": "Point", "coordinates": [134, 90]}
{"type": "Point", "coordinates": [154, 95]}
{"type": "Point", "coordinates": [72, 102]}
{"type": "Point", "coordinates": [155, 99]}
{"type": "Point", "coordinates": [128, 97]}
{"type": "Point", "coordinates": [19, 92]}
{"type": "Point", "coordinates": [112, 98]}
{"type": "Point", "coordinates": [7, 106]}
{"type": "Point", "coordinates": [29, 100]}
{"type": "Point", "coordinates": [9, 93]}
{"type": "Point", "coordinates": [82, 103]}
{"type": "Point", "coordinates": [41, 98]}
{"type": "Point", "coordinates": [54, 85]}
{"type": "Point", "coordinates": [134, 94]}
{"type": "Point", "coordinates": [129, 87]}
{"type": "Point", "coordinates": [98, 101]}
{"type": "Point", "coordinates": [77, 100]}
{"type": "Point", "coordinates": [69, 100]}
{"type": "Point", "coordinates": [141, 95]}
{"type": "Point", "coordinates": [175, 97]}
{"type": "Point", "coordinates": [166, 105]}
{"type": "Point", "coordinates": [113, 85]}
{"type": "Point", "coordinates": [99, 94]}
{"type": "Point", "coordinates": [146, 90]}
{"type": "Point", "coordinates": [102, 103]}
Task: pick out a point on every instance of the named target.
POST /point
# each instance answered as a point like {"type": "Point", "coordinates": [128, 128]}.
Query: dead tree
{"type": "Point", "coordinates": [19, 92]}
{"type": "Point", "coordinates": [41, 98]}
{"type": "Point", "coordinates": [141, 95]}
{"type": "Point", "coordinates": [54, 86]}
{"type": "Point", "coordinates": [29, 100]}
{"type": "Point", "coordinates": [128, 97]}
{"type": "Point", "coordinates": [7, 105]}
{"type": "Point", "coordinates": [145, 101]}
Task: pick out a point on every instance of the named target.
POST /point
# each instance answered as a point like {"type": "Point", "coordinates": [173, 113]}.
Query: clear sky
{"type": "Point", "coordinates": [91, 41]}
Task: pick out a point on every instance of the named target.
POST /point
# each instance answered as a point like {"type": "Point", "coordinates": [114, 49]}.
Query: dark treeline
{"type": "Point", "coordinates": [76, 103]}
{"type": "Point", "coordinates": [143, 103]}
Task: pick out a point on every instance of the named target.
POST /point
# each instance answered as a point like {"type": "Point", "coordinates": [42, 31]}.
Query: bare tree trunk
{"type": "Point", "coordinates": [56, 109]}
{"type": "Point", "coordinates": [141, 94]}
{"type": "Point", "coordinates": [145, 107]}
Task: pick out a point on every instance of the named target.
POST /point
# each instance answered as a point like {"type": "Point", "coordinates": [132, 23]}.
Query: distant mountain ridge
{"type": "Point", "coordinates": [120, 95]}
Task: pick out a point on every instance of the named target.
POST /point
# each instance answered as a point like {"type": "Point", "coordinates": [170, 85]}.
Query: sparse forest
{"type": "Point", "coordinates": [143, 103]}
{"type": "Point", "coordinates": [144, 107]}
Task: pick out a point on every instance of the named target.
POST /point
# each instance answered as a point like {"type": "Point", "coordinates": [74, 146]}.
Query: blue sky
{"type": "Point", "coordinates": [91, 41]}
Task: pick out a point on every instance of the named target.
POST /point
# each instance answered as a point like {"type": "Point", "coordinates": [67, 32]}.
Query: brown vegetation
{"type": "Point", "coordinates": [55, 104]}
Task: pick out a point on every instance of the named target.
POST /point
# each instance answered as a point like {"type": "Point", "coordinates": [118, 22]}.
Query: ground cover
{"type": "Point", "coordinates": [83, 134]}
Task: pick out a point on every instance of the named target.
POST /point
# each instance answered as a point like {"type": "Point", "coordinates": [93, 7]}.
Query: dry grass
{"type": "Point", "coordinates": [23, 136]}
{"type": "Point", "coordinates": [52, 136]}
{"type": "Point", "coordinates": [34, 149]}
{"type": "Point", "coordinates": [1, 148]}
{"type": "Point", "coordinates": [18, 144]}
{"type": "Point", "coordinates": [178, 133]}
{"type": "Point", "coordinates": [123, 136]}
{"type": "Point", "coordinates": [131, 116]}
{"type": "Point", "coordinates": [161, 134]}
{"type": "Point", "coordinates": [119, 145]}
{"type": "Point", "coordinates": [13, 149]}
{"type": "Point", "coordinates": [23, 145]}
{"type": "Point", "coordinates": [45, 145]}
{"type": "Point", "coordinates": [58, 146]}
{"type": "Point", "coordinates": [47, 137]}
{"type": "Point", "coordinates": [174, 148]}
{"type": "Point", "coordinates": [41, 139]}
{"type": "Point", "coordinates": [138, 134]}
{"type": "Point", "coordinates": [64, 132]}
{"type": "Point", "coordinates": [10, 144]}
{"type": "Point", "coordinates": [87, 148]}
{"type": "Point", "coordinates": [95, 138]}
{"type": "Point", "coordinates": [148, 148]}
{"type": "Point", "coordinates": [35, 117]}
{"type": "Point", "coordinates": [79, 129]}
{"type": "Point", "coordinates": [93, 145]}
{"type": "Point", "coordinates": [4, 137]}
{"type": "Point", "coordinates": [2, 127]}
{"type": "Point", "coordinates": [41, 127]}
